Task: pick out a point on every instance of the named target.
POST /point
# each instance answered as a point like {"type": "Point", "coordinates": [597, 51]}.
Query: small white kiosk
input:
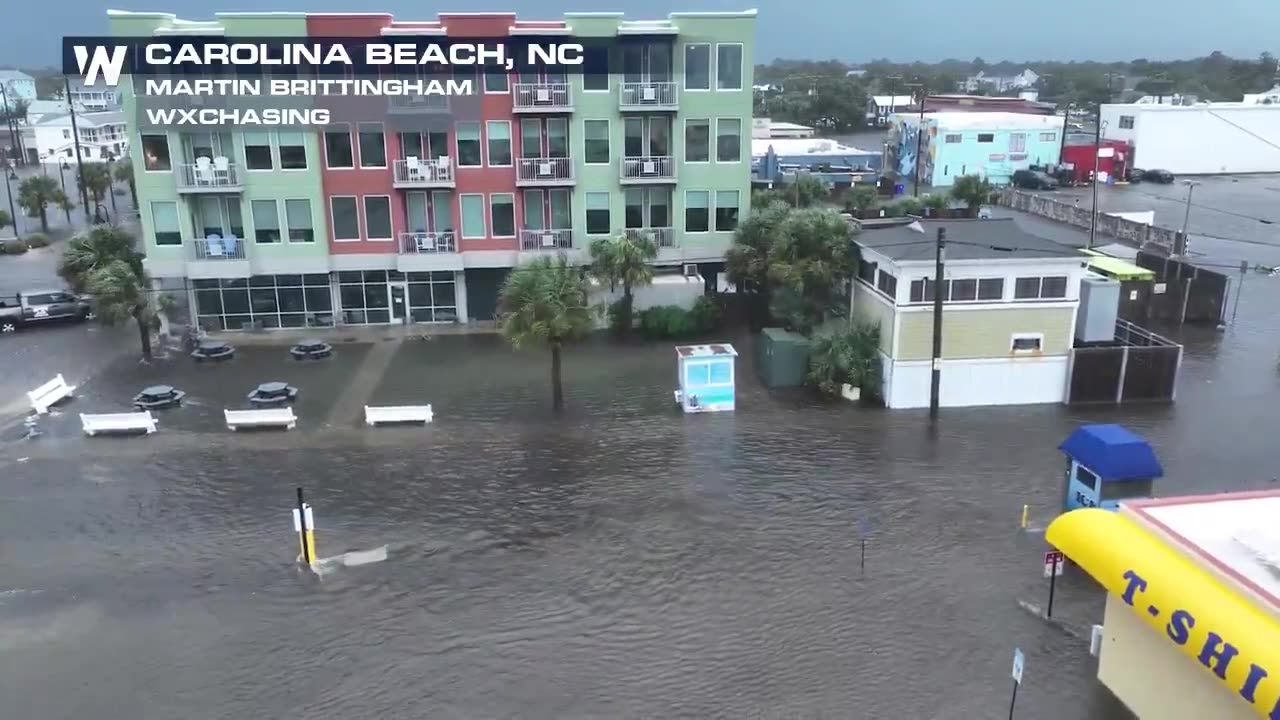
{"type": "Point", "coordinates": [706, 377]}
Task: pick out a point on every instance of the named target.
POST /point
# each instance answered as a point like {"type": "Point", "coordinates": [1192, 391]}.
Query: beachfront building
{"type": "Point", "coordinates": [1010, 303]}
{"type": "Point", "coordinates": [94, 98]}
{"type": "Point", "coordinates": [102, 135]}
{"type": "Point", "coordinates": [992, 144]}
{"type": "Point", "coordinates": [417, 213]}
{"type": "Point", "coordinates": [17, 85]}
{"type": "Point", "coordinates": [1193, 601]}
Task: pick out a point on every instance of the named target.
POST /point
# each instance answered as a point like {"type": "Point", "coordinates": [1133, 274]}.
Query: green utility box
{"type": "Point", "coordinates": [782, 358]}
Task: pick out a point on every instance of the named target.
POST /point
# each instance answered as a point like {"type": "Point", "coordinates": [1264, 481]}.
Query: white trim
{"type": "Point", "coordinates": [364, 208]}
{"type": "Point", "coordinates": [514, 220]}
{"type": "Point", "coordinates": [711, 73]}
{"type": "Point", "coordinates": [484, 84]}
{"type": "Point", "coordinates": [333, 226]}
{"type": "Point", "coordinates": [271, 150]}
{"type": "Point", "coordinates": [740, 14]}
{"type": "Point", "coordinates": [305, 154]}
{"type": "Point", "coordinates": [715, 205]}
{"type": "Point", "coordinates": [408, 31]}
{"type": "Point", "coordinates": [586, 209]}
{"type": "Point", "coordinates": [462, 217]}
{"type": "Point", "coordinates": [457, 138]}
{"type": "Point", "coordinates": [608, 128]}
{"type": "Point", "coordinates": [382, 131]}
{"type": "Point", "coordinates": [987, 305]}
{"type": "Point", "coordinates": [684, 218]}
{"type": "Point", "coordinates": [284, 237]}
{"type": "Point", "coordinates": [742, 68]}
{"type": "Point", "coordinates": [324, 146]}
{"type": "Point", "coordinates": [252, 226]}
{"type": "Point", "coordinates": [511, 148]}
{"type": "Point", "coordinates": [565, 30]}
{"type": "Point", "coordinates": [716, 143]}
{"type": "Point", "coordinates": [142, 149]}
{"type": "Point", "coordinates": [685, 141]}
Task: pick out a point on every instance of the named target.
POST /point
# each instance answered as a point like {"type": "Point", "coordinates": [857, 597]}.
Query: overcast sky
{"type": "Point", "coordinates": [849, 30]}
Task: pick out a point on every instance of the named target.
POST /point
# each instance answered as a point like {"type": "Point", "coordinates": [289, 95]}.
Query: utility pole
{"type": "Point", "coordinates": [75, 140]}
{"type": "Point", "coordinates": [1097, 148]}
{"type": "Point", "coordinates": [935, 381]}
{"type": "Point", "coordinates": [8, 190]}
{"type": "Point", "coordinates": [1062, 145]}
{"type": "Point", "coordinates": [924, 94]}
{"type": "Point", "coordinates": [11, 124]}
{"type": "Point", "coordinates": [1186, 217]}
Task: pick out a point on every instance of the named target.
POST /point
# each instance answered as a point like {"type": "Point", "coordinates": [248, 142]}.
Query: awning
{"type": "Point", "coordinates": [1113, 452]}
{"type": "Point", "coordinates": [1196, 613]}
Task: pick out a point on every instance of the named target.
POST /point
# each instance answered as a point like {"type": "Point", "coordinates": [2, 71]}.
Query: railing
{"type": "Point", "coordinates": [424, 172]}
{"type": "Point", "coordinates": [663, 237]}
{"type": "Point", "coordinates": [648, 168]}
{"type": "Point", "coordinates": [648, 94]}
{"type": "Point", "coordinates": [212, 176]}
{"type": "Point", "coordinates": [218, 248]}
{"type": "Point", "coordinates": [544, 169]}
{"type": "Point", "coordinates": [531, 240]}
{"type": "Point", "coordinates": [542, 96]}
{"type": "Point", "coordinates": [419, 103]}
{"type": "Point", "coordinates": [419, 243]}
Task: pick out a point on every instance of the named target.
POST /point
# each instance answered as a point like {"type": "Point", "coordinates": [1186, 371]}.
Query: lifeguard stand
{"type": "Point", "coordinates": [1107, 464]}
{"type": "Point", "coordinates": [706, 377]}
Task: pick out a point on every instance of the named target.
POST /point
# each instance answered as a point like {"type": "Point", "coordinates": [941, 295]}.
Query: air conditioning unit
{"type": "Point", "coordinates": [690, 270]}
{"type": "Point", "coordinates": [548, 240]}
{"type": "Point", "coordinates": [544, 169]}
{"type": "Point", "coordinates": [649, 168]}
{"type": "Point", "coordinates": [650, 94]}
{"type": "Point", "coordinates": [426, 243]}
{"type": "Point", "coordinates": [542, 95]}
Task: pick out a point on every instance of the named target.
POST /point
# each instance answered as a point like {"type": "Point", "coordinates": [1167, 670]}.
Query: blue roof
{"type": "Point", "coordinates": [1113, 452]}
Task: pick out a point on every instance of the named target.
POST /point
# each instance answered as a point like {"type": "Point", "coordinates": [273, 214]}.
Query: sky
{"type": "Point", "coordinates": [847, 30]}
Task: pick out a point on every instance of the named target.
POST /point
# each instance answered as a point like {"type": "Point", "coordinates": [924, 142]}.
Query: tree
{"type": "Point", "coordinates": [96, 180]}
{"type": "Point", "coordinates": [36, 193]}
{"type": "Point", "coordinates": [624, 260]}
{"type": "Point", "coordinates": [545, 303]}
{"type": "Point", "coordinates": [972, 190]}
{"type": "Point", "coordinates": [103, 263]}
{"type": "Point", "coordinates": [861, 197]}
{"type": "Point", "coordinates": [124, 174]}
{"type": "Point", "coordinates": [851, 356]}
{"type": "Point", "coordinates": [747, 261]}
{"type": "Point", "coordinates": [5, 219]}
{"type": "Point", "coordinates": [807, 263]}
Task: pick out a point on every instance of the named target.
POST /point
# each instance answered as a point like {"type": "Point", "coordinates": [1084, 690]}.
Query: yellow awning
{"type": "Point", "coordinates": [1116, 267]}
{"type": "Point", "coordinates": [1231, 637]}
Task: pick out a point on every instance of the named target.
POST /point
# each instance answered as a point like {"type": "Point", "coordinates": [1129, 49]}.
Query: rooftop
{"type": "Point", "coordinates": [999, 239]}
{"type": "Point", "coordinates": [88, 119]}
{"type": "Point", "coordinates": [14, 75]}
{"type": "Point", "coordinates": [698, 351]}
{"type": "Point", "coordinates": [803, 146]}
{"type": "Point", "coordinates": [992, 120]}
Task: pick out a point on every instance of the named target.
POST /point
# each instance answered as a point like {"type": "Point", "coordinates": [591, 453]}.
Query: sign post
{"type": "Point", "coordinates": [864, 529]}
{"type": "Point", "coordinates": [1018, 661]}
{"type": "Point", "coordinates": [1053, 565]}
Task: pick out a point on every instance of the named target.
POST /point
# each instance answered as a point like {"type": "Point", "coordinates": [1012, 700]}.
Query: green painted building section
{"type": "Point", "coordinates": [278, 185]}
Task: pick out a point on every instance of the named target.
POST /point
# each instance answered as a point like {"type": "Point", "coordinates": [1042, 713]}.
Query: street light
{"type": "Point", "coordinates": [62, 166]}
{"type": "Point", "coordinates": [111, 185]}
{"type": "Point", "coordinates": [1186, 218]}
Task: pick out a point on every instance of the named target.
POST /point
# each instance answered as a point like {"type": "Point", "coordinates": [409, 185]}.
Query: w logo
{"type": "Point", "coordinates": [109, 61]}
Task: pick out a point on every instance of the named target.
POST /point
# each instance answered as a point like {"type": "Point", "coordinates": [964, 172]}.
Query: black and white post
{"type": "Point", "coordinates": [1052, 566]}
{"type": "Point", "coordinates": [935, 381]}
{"type": "Point", "coordinates": [1018, 661]}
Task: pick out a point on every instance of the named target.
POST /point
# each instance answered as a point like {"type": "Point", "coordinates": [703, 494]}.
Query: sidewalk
{"type": "Point", "coordinates": [355, 333]}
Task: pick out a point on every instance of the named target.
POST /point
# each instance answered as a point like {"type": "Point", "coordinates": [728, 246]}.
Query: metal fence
{"type": "Point", "coordinates": [1184, 292]}
{"type": "Point", "coordinates": [1137, 366]}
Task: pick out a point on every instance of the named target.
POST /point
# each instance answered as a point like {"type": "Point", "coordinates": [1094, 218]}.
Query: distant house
{"type": "Point", "coordinates": [855, 73]}
{"type": "Point", "coordinates": [17, 86]}
{"type": "Point", "coordinates": [103, 135]}
{"type": "Point", "coordinates": [1001, 83]}
{"type": "Point", "coordinates": [994, 145]}
{"type": "Point", "coordinates": [94, 98]}
{"type": "Point", "coordinates": [779, 159]}
{"type": "Point", "coordinates": [766, 128]}
{"type": "Point", "coordinates": [38, 109]}
{"type": "Point", "coordinates": [1270, 97]}
{"type": "Point", "coordinates": [880, 107]}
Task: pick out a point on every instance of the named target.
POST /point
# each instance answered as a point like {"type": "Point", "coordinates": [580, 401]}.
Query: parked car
{"type": "Point", "coordinates": [42, 306]}
{"type": "Point", "coordinates": [1034, 180]}
{"type": "Point", "coordinates": [1164, 177]}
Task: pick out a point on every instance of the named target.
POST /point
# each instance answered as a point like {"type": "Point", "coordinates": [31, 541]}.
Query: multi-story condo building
{"type": "Point", "coordinates": [419, 216]}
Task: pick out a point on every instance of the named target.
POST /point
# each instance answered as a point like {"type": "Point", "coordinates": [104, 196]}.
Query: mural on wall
{"type": "Point", "coordinates": [908, 142]}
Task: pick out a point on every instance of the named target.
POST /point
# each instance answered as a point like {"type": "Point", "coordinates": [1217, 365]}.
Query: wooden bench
{"type": "Point", "coordinates": [118, 422]}
{"type": "Point", "coordinates": [45, 396]}
{"type": "Point", "coordinates": [275, 417]}
{"type": "Point", "coordinates": [397, 414]}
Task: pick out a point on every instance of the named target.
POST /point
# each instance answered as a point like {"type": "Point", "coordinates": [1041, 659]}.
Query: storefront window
{"type": "Point", "coordinates": [364, 296]}
{"type": "Point", "coordinates": [267, 301]}
{"type": "Point", "coordinates": [432, 297]}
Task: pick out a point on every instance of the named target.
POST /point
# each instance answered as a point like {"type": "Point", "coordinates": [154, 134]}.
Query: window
{"type": "Point", "coordinates": [726, 210]}
{"type": "Point", "coordinates": [499, 135]}
{"type": "Point", "coordinates": [432, 297]}
{"type": "Point", "coordinates": [257, 150]}
{"type": "Point", "coordinates": [266, 221]}
{"type": "Point", "coordinates": [1026, 342]}
{"type": "Point", "coordinates": [364, 297]}
{"type": "Point", "coordinates": [1086, 477]}
{"type": "Point", "coordinates": [164, 223]}
{"type": "Point", "coordinates": [155, 153]}
{"type": "Point", "coordinates": [729, 66]}
{"type": "Point", "coordinates": [1026, 288]}
{"type": "Point", "coordinates": [502, 214]}
{"type": "Point", "coordinates": [558, 137]}
{"type": "Point", "coordinates": [1054, 286]}
{"type": "Point", "coordinates": [293, 150]}
{"type": "Point", "coordinates": [495, 80]}
{"type": "Point", "coordinates": [697, 140]}
{"type": "Point", "coordinates": [964, 290]}
{"type": "Point", "coordinates": [696, 208]}
{"type": "Point", "coordinates": [991, 289]}
{"type": "Point", "coordinates": [867, 272]}
{"type": "Point", "coordinates": [1017, 142]}
{"type": "Point", "coordinates": [729, 140]}
{"type": "Point", "coordinates": [887, 284]}
{"type": "Point", "coordinates": [922, 290]}
{"type": "Point", "coordinates": [377, 217]}
{"type": "Point", "coordinates": [297, 216]}
{"type": "Point", "coordinates": [986, 137]}
{"type": "Point", "coordinates": [1126, 122]}
{"type": "Point", "coordinates": [1033, 288]}
{"type": "Point", "coordinates": [530, 138]}
{"type": "Point", "coordinates": [596, 59]}
{"type": "Point", "coordinates": [469, 144]}
{"type": "Point", "coordinates": [1048, 137]}
{"type": "Point", "coordinates": [66, 134]}
{"type": "Point", "coordinates": [373, 146]}
{"type": "Point", "coordinates": [697, 66]}
{"type": "Point", "coordinates": [337, 149]}
{"type": "Point", "coordinates": [269, 301]}
{"type": "Point", "coordinates": [952, 138]}
{"type": "Point", "coordinates": [472, 215]}
{"type": "Point", "coordinates": [346, 218]}
{"type": "Point", "coordinates": [595, 134]}
{"type": "Point", "coordinates": [598, 222]}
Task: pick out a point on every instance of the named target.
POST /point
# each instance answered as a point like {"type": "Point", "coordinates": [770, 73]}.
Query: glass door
{"type": "Point", "coordinates": [416, 211]}
{"type": "Point", "coordinates": [530, 138]}
{"type": "Point", "coordinates": [410, 145]}
{"type": "Point", "coordinates": [659, 136]}
{"type": "Point", "coordinates": [398, 313]}
{"type": "Point", "coordinates": [442, 211]}
{"type": "Point", "coordinates": [633, 137]}
{"type": "Point", "coordinates": [558, 137]}
{"type": "Point", "coordinates": [534, 210]}
{"type": "Point", "coordinates": [559, 202]}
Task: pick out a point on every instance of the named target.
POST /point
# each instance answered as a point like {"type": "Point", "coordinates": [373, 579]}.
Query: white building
{"type": "Point", "coordinates": [39, 109]}
{"type": "Point", "coordinates": [1001, 83]}
{"type": "Point", "coordinates": [102, 135]}
{"type": "Point", "coordinates": [766, 128]}
{"type": "Point", "coordinates": [880, 107]}
{"type": "Point", "coordinates": [94, 98]}
{"type": "Point", "coordinates": [1205, 139]}
{"type": "Point", "coordinates": [1270, 97]}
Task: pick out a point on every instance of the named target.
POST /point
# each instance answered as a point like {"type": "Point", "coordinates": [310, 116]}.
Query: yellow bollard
{"type": "Point", "coordinates": [1025, 508]}
{"type": "Point", "coordinates": [305, 525]}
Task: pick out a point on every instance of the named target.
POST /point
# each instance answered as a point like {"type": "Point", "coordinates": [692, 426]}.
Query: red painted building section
{"type": "Point", "coordinates": [1115, 164]}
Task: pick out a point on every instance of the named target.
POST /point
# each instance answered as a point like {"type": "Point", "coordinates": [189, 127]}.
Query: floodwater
{"type": "Point", "coordinates": [623, 561]}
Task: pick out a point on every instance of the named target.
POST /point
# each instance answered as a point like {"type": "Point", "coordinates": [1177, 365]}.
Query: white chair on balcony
{"type": "Point", "coordinates": [213, 248]}
{"type": "Point", "coordinates": [413, 169]}
{"type": "Point", "coordinates": [442, 167]}
{"type": "Point", "coordinates": [204, 171]}
{"type": "Point", "coordinates": [231, 245]}
{"type": "Point", "coordinates": [222, 170]}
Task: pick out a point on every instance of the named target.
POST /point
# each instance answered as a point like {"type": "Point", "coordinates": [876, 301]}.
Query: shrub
{"type": "Point", "coordinates": [666, 321]}
{"type": "Point", "coordinates": [706, 313]}
{"type": "Point", "coordinates": [13, 247]}
{"type": "Point", "coordinates": [615, 313]}
{"type": "Point", "coordinates": [849, 357]}
{"type": "Point", "coordinates": [36, 240]}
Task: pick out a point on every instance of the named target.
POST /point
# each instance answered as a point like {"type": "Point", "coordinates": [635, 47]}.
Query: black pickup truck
{"type": "Point", "coordinates": [42, 306]}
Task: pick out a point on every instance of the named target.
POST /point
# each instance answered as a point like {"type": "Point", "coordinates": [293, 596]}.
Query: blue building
{"type": "Point", "coordinates": [17, 86]}
{"type": "Point", "coordinates": [775, 159]}
{"type": "Point", "coordinates": [991, 144]}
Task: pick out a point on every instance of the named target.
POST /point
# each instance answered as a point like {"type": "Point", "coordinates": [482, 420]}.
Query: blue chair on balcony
{"type": "Point", "coordinates": [229, 245]}
{"type": "Point", "coordinates": [213, 246]}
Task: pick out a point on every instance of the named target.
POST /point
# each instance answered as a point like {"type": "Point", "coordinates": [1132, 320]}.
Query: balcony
{"type": "Point", "coordinates": [648, 95]}
{"type": "Point", "coordinates": [218, 257]}
{"type": "Point", "coordinates": [422, 173]}
{"type": "Point", "coordinates": [418, 104]}
{"type": "Point", "coordinates": [427, 251]}
{"type": "Point", "coordinates": [546, 240]}
{"type": "Point", "coordinates": [534, 172]}
{"type": "Point", "coordinates": [217, 175]}
{"type": "Point", "coordinates": [542, 98]}
{"type": "Point", "coordinates": [663, 237]}
{"type": "Point", "coordinates": [643, 170]}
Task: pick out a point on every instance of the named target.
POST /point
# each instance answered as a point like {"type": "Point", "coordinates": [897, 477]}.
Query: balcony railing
{"type": "Point", "coordinates": [663, 237]}
{"type": "Point", "coordinates": [218, 248]}
{"type": "Point", "coordinates": [215, 175]}
{"type": "Point", "coordinates": [648, 169]}
{"type": "Point", "coordinates": [648, 95]}
{"type": "Point", "coordinates": [421, 172]}
{"type": "Point", "coordinates": [542, 97]}
{"type": "Point", "coordinates": [537, 240]}
{"type": "Point", "coordinates": [407, 104]}
{"type": "Point", "coordinates": [422, 243]}
{"type": "Point", "coordinates": [544, 171]}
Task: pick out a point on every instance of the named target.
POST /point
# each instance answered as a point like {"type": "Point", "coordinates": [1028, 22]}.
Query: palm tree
{"type": "Point", "coordinates": [545, 303]}
{"type": "Point", "coordinates": [96, 180]}
{"type": "Point", "coordinates": [36, 194]}
{"type": "Point", "coordinates": [124, 174]}
{"type": "Point", "coordinates": [972, 190]}
{"type": "Point", "coordinates": [103, 263]}
{"type": "Point", "coordinates": [624, 260]}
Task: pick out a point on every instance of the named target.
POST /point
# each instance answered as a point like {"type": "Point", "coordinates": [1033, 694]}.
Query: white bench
{"type": "Point", "coordinates": [118, 422]}
{"type": "Point", "coordinates": [43, 397]}
{"type": "Point", "coordinates": [275, 417]}
{"type": "Point", "coordinates": [397, 414]}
